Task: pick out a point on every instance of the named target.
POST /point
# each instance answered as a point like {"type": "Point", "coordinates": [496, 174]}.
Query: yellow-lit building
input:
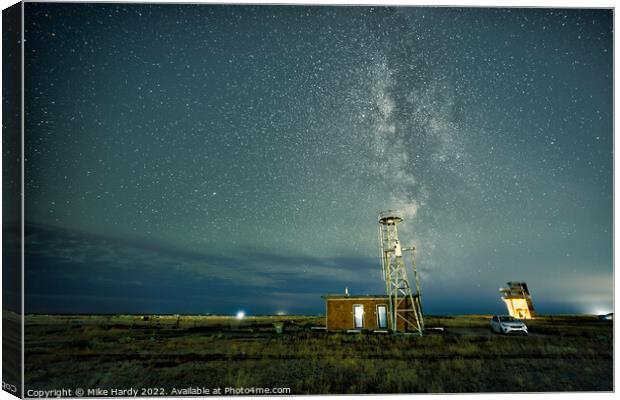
{"type": "Point", "coordinates": [518, 300]}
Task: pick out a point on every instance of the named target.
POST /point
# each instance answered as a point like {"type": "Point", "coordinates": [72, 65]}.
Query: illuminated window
{"type": "Point", "coordinates": [358, 313]}
{"type": "Point", "coordinates": [382, 316]}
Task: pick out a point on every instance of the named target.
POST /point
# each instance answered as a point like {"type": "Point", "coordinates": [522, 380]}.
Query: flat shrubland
{"type": "Point", "coordinates": [561, 354]}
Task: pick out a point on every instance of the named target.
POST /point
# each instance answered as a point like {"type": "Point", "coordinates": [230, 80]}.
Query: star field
{"type": "Point", "coordinates": [194, 158]}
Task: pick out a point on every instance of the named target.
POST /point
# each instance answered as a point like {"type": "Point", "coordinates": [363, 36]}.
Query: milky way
{"type": "Point", "coordinates": [194, 158]}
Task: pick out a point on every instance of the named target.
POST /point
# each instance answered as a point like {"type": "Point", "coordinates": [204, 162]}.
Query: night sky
{"type": "Point", "coordinates": [207, 159]}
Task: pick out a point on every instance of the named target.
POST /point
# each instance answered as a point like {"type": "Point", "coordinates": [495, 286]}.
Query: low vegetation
{"type": "Point", "coordinates": [560, 354]}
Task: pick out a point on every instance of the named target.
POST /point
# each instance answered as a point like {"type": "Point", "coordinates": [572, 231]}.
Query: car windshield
{"type": "Point", "coordinates": [507, 319]}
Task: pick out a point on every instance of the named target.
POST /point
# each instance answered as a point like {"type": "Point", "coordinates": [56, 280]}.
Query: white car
{"type": "Point", "coordinates": [508, 324]}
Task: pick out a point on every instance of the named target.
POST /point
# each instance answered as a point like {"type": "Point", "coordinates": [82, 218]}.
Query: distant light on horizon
{"type": "Point", "coordinates": [600, 311]}
{"type": "Point", "coordinates": [240, 314]}
{"type": "Point", "coordinates": [281, 312]}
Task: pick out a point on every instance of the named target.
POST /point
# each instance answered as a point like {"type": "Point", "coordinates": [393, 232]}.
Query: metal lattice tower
{"type": "Point", "coordinates": [404, 303]}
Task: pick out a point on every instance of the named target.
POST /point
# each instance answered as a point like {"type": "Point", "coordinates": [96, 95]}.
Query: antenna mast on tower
{"type": "Point", "coordinates": [404, 304]}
